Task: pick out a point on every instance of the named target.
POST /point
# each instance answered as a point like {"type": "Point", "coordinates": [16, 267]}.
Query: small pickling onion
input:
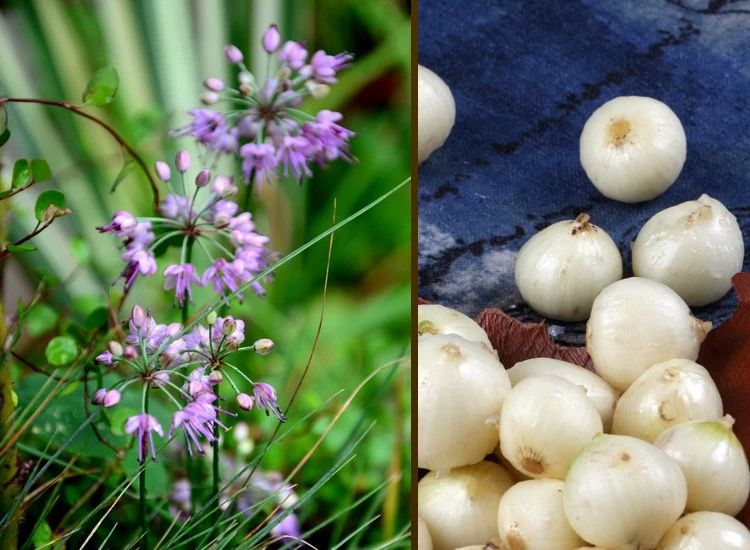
{"type": "Point", "coordinates": [437, 319]}
{"type": "Point", "coordinates": [460, 389]}
{"type": "Point", "coordinates": [424, 540]}
{"type": "Point", "coordinates": [713, 462]}
{"type": "Point", "coordinates": [436, 112]}
{"type": "Point", "coordinates": [561, 269]}
{"type": "Point", "coordinates": [460, 508]}
{"type": "Point", "coordinates": [622, 492]}
{"type": "Point", "coordinates": [694, 248]}
{"type": "Point", "coordinates": [706, 531]}
{"type": "Point", "coordinates": [544, 423]}
{"type": "Point", "coordinates": [531, 515]}
{"type": "Point", "coordinates": [601, 394]}
{"type": "Point", "coordinates": [633, 148]}
{"type": "Point", "coordinates": [636, 323]}
{"type": "Point", "coordinates": [665, 395]}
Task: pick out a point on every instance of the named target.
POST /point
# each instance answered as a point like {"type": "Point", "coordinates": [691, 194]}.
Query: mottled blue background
{"type": "Point", "coordinates": [526, 74]}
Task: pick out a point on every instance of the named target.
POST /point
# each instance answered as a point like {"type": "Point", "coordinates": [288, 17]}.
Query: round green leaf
{"type": "Point", "coordinates": [21, 173]}
{"type": "Point", "coordinates": [40, 170]}
{"type": "Point", "coordinates": [102, 87]}
{"type": "Point", "coordinates": [46, 199]}
{"type": "Point", "coordinates": [61, 351]}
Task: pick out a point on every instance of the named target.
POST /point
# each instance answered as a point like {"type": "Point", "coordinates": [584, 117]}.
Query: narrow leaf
{"type": "Point", "coordinates": [61, 351]}
{"type": "Point", "coordinates": [102, 87]}
{"type": "Point", "coordinates": [4, 136]}
{"type": "Point", "coordinates": [125, 171]}
{"type": "Point", "coordinates": [40, 170]}
{"type": "Point", "coordinates": [20, 248]}
{"type": "Point", "coordinates": [21, 173]}
{"type": "Point", "coordinates": [50, 197]}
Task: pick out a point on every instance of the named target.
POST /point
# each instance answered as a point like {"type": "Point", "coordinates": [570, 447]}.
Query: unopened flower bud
{"type": "Point", "coordinates": [201, 180]}
{"type": "Point", "coordinates": [138, 316]}
{"type": "Point", "coordinates": [115, 348]}
{"type": "Point", "coordinates": [161, 378]}
{"type": "Point", "coordinates": [182, 161]}
{"type": "Point", "coordinates": [316, 89]}
{"type": "Point", "coordinates": [284, 73]}
{"type": "Point", "coordinates": [264, 346]}
{"type": "Point", "coordinates": [233, 54]}
{"type": "Point", "coordinates": [213, 84]}
{"type": "Point", "coordinates": [111, 398]}
{"type": "Point", "coordinates": [229, 326]}
{"type": "Point", "coordinates": [98, 397]}
{"type": "Point", "coordinates": [209, 98]}
{"type": "Point", "coordinates": [271, 39]}
{"type": "Point", "coordinates": [245, 402]}
{"type": "Point", "coordinates": [245, 78]}
{"type": "Point", "coordinates": [246, 89]}
{"type": "Point", "coordinates": [215, 377]}
{"type": "Point", "coordinates": [104, 358]}
{"type": "Point", "coordinates": [163, 171]}
{"type": "Point", "coordinates": [130, 352]}
{"type": "Point", "coordinates": [211, 318]}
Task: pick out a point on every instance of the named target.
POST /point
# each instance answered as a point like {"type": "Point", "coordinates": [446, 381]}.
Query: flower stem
{"type": "Point", "coordinates": [188, 259]}
{"type": "Point", "coordinates": [142, 485]}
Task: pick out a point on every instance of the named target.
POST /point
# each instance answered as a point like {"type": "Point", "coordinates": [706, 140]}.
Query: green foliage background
{"type": "Point", "coordinates": [162, 51]}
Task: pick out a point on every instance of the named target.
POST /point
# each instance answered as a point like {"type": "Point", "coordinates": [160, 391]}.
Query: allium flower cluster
{"type": "Point", "coordinates": [228, 238]}
{"type": "Point", "coordinates": [187, 367]}
{"type": "Point", "coordinates": [265, 125]}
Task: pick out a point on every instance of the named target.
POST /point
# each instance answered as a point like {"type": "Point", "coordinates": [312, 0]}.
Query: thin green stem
{"type": "Point", "coordinates": [188, 256]}
{"type": "Point", "coordinates": [142, 483]}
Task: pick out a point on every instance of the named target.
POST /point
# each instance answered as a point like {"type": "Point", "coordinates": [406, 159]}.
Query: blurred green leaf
{"type": "Point", "coordinates": [117, 417]}
{"type": "Point", "coordinates": [42, 535]}
{"type": "Point", "coordinates": [61, 351]}
{"type": "Point", "coordinates": [20, 248]}
{"type": "Point", "coordinates": [102, 87]}
{"type": "Point", "coordinates": [71, 388]}
{"type": "Point", "coordinates": [125, 171]}
{"type": "Point", "coordinates": [21, 173]}
{"type": "Point", "coordinates": [4, 136]}
{"type": "Point", "coordinates": [41, 319]}
{"type": "Point", "coordinates": [80, 249]}
{"type": "Point", "coordinates": [97, 318]}
{"type": "Point", "coordinates": [3, 117]}
{"type": "Point", "coordinates": [49, 197]}
{"type": "Point", "coordinates": [40, 170]}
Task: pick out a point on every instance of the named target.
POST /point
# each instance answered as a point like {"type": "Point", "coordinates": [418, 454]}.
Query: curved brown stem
{"type": "Point", "coordinates": [111, 131]}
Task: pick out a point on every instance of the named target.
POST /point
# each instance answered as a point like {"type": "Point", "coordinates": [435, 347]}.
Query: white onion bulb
{"type": "Point", "coordinates": [545, 422]}
{"type": "Point", "coordinates": [665, 395]}
{"type": "Point", "coordinates": [460, 508]}
{"type": "Point", "coordinates": [713, 462]}
{"type": "Point", "coordinates": [561, 269]}
{"type": "Point", "coordinates": [601, 394]}
{"type": "Point", "coordinates": [461, 386]}
{"type": "Point", "coordinates": [531, 515]}
{"type": "Point", "coordinates": [636, 323]}
{"type": "Point", "coordinates": [694, 248]}
{"type": "Point", "coordinates": [436, 319]}
{"type": "Point", "coordinates": [436, 112]}
{"type": "Point", "coordinates": [706, 531]}
{"type": "Point", "coordinates": [424, 540]}
{"type": "Point", "coordinates": [633, 148]}
{"type": "Point", "coordinates": [622, 492]}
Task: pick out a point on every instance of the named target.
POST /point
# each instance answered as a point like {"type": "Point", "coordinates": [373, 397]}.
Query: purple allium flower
{"type": "Point", "coordinates": [130, 352]}
{"type": "Point", "coordinates": [163, 171]}
{"type": "Point", "coordinates": [293, 54]}
{"type": "Point", "coordinates": [104, 358]}
{"type": "Point", "coordinates": [258, 159]}
{"type": "Point", "coordinates": [182, 161]}
{"type": "Point", "coordinates": [222, 274]}
{"type": "Point", "coordinates": [123, 224]}
{"type": "Point", "coordinates": [140, 237]}
{"type": "Point", "coordinates": [213, 84]}
{"type": "Point", "coordinates": [111, 398]}
{"type": "Point", "coordinates": [180, 278]}
{"type": "Point", "coordinates": [138, 316]}
{"type": "Point", "coordinates": [197, 418]}
{"type": "Point", "coordinates": [143, 425]}
{"type": "Point", "coordinates": [177, 207]}
{"type": "Point", "coordinates": [287, 527]}
{"type": "Point", "coordinates": [230, 329]}
{"type": "Point", "coordinates": [293, 154]}
{"type": "Point", "coordinates": [323, 67]}
{"type": "Point", "coordinates": [221, 212]}
{"type": "Point", "coordinates": [98, 397]}
{"type": "Point", "coordinates": [245, 401]}
{"type": "Point", "coordinates": [160, 378]}
{"type": "Point", "coordinates": [223, 186]}
{"type": "Point", "coordinates": [265, 398]}
{"type": "Point", "coordinates": [329, 139]}
{"type": "Point", "coordinates": [142, 263]}
{"type": "Point", "coordinates": [198, 382]}
{"type": "Point", "coordinates": [233, 54]}
{"type": "Point", "coordinates": [211, 129]}
{"type": "Point", "coordinates": [271, 39]}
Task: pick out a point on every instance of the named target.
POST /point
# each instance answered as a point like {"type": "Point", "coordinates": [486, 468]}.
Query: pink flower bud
{"type": "Point", "coordinates": [245, 401]}
{"type": "Point", "coordinates": [264, 346]}
{"type": "Point", "coordinates": [215, 377]}
{"type": "Point", "coordinates": [213, 84]}
{"type": "Point", "coordinates": [163, 171]}
{"type": "Point", "coordinates": [98, 397]}
{"type": "Point", "coordinates": [104, 358]}
{"type": "Point", "coordinates": [233, 54]}
{"type": "Point", "coordinates": [161, 378]}
{"type": "Point", "coordinates": [182, 161]}
{"type": "Point", "coordinates": [138, 315]}
{"type": "Point", "coordinates": [130, 352]}
{"type": "Point", "coordinates": [271, 39]}
{"type": "Point", "coordinates": [201, 180]}
{"type": "Point", "coordinates": [209, 98]}
{"type": "Point", "coordinates": [111, 398]}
